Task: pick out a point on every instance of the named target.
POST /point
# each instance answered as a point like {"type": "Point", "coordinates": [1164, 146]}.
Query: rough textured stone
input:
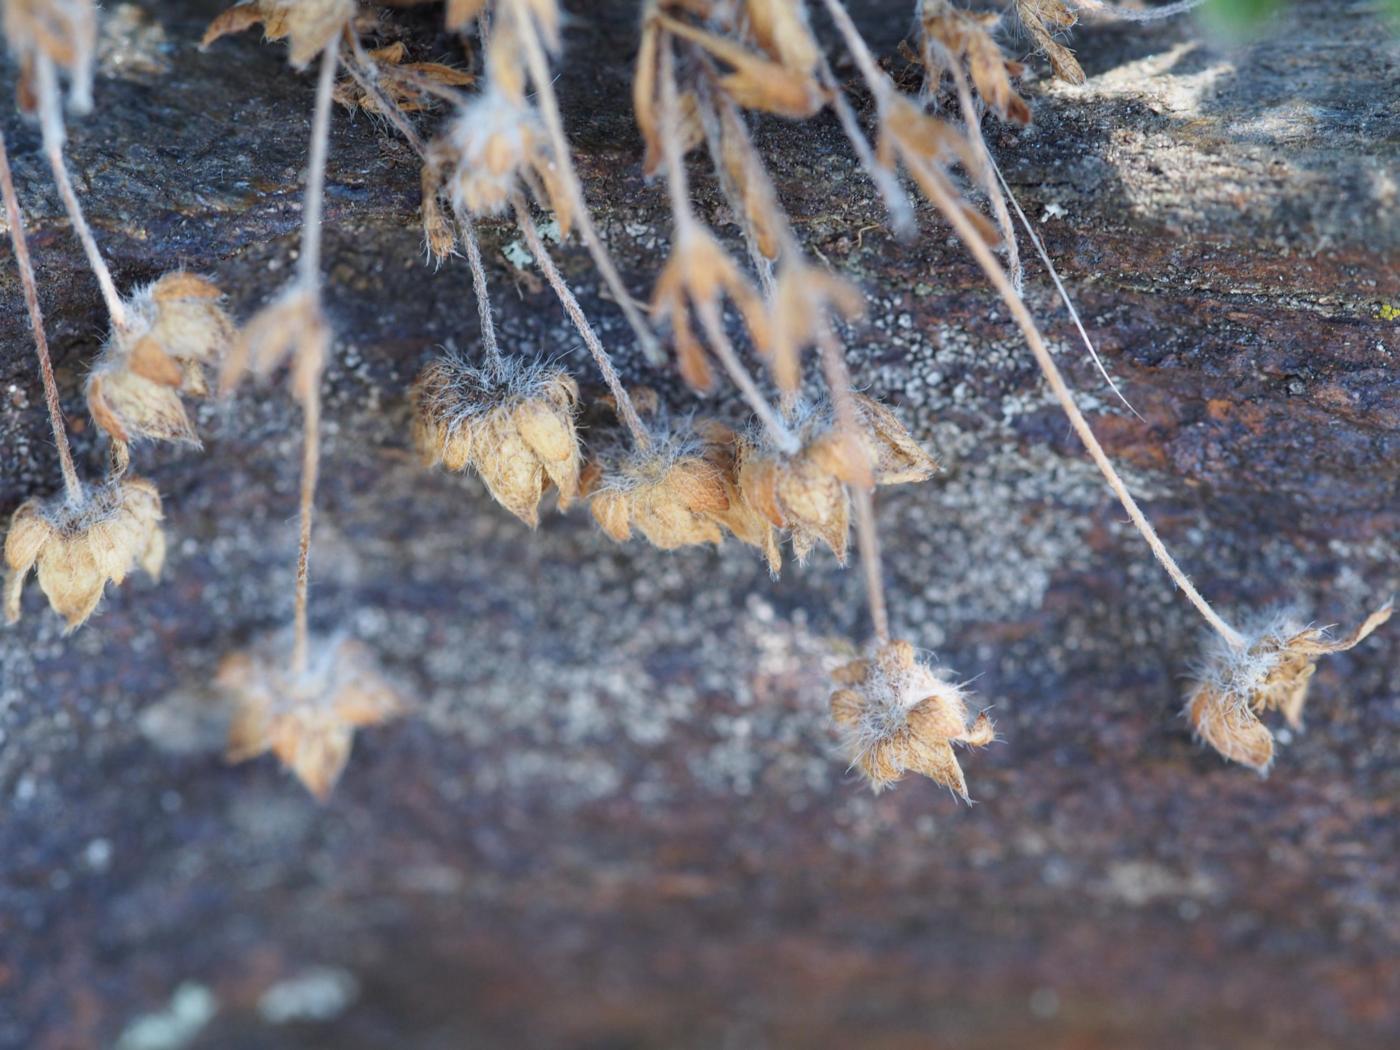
{"type": "Point", "coordinates": [615, 818]}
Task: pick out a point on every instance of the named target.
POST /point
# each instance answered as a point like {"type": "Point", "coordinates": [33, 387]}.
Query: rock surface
{"type": "Point", "coordinates": [616, 817]}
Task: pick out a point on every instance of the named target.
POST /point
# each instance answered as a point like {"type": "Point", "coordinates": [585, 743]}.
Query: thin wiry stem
{"type": "Point", "coordinates": [51, 128]}
{"type": "Point", "coordinates": [625, 408]}
{"type": "Point", "coordinates": [483, 294]}
{"type": "Point", "coordinates": [987, 260]}
{"type": "Point", "coordinates": [1060, 287]}
{"type": "Point", "coordinates": [538, 66]}
{"type": "Point", "coordinates": [686, 226]}
{"type": "Point", "coordinates": [309, 265]}
{"type": "Point", "coordinates": [309, 275]}
{"type": "Point", "coordinates": [990, 186]}
{"type": "Point", "coordinates": [1115, 13]}
{"type": "Point", "coordinates": [71, 484]}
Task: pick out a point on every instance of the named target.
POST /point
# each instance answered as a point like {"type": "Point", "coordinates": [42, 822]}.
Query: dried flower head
{"type": "Point", "coordinates": [1271, 673]}
{"type": "Point", "coordinates": [307, 720]}
{"type": "Point", "coordinates": [1039, 16]}
{"type": "Point", "coordinates": [954, 35]}
{"type": "Point", "coordinates": [64, 32]}
{"type": "Point", "coordinates": [513, 423]}
{"type": "Point", "coordinates": [806, 492]}
{"type": "Point", "coordinates": [78, 545]}
{"type": "Point", "coordinates": [671, 491]}
{"type": "Point", "coordinates": [174, 328]}
{"type": "Point", "coordinates": [308, 26]}
{"type": "Point", "coordinates": [293, 326]}
{"type": "Point", "coordinates": [897, 716]}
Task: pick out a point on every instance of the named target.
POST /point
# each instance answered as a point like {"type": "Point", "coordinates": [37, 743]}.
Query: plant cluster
{"type": "Point", "coordinates": [801, 469]}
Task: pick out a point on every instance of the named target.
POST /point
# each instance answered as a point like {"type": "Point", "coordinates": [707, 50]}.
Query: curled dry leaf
{"type": "Point", "coordinates": [175, 328]}
{"type": "Point", "coordinates": [78, 545]}
{"type": "Point", "coordinates": [897, 716]}
{"type": "Point", "coordinates": [1041, 19]}
{"type": "Point", "coordinates": [515, 426]}
{"type": "Point", "coordinates": [308, 26]}
{"type": "Point", "coordinates": [646, 102]}
{"type": "Point", "coordinates": [307, 720]}
{"type": "Point", "coordinates": [696, 276]}
{"type": "Point", "coordinates": [1271, 673]}
{"type": "Point", "coordinates": [954, 35]}
{"type": "Point", "coordinates": [805, 300]}
{"type": "Point", "coordinates": [754, 81]}
{"type": "Point", "coordinates": [401, 82]}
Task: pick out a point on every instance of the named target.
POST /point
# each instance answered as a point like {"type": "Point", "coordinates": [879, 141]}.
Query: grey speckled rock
{"type": "Point", "coordinates": [615, 818]}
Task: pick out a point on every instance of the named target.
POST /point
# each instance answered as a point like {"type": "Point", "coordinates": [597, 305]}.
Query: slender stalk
{"type": "Point", "coordinates": [71, 484]}
{"type": "Point", "coordinates": [483, 295]}
{"type": "Point", "coordinates": [625, 408]}
{"type": "Point", "coordinates": [1115, 13]}
{"type": "Point", "coordinates": [310, 472]}
{"type": "Point", "coordinates": [1060, 287]}
{"type": "Point", "coordinates": [538, 66]}
{"type": "Point", "coordinates": [686, 226]}
{"type": "Point", "coordinates": [309, 264]}
{"type": "Point", "coordinates": [51, 129]}
{"type": "Point", "coordinates": [309, 275]}
{"type": "Point", "coordinates": [987, 260]}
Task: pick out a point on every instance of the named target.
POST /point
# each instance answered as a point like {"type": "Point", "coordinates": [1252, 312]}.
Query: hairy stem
{"type": "Point", "coordinates": [1115, 13]}
{"type": "Point", "coordinates": [987, 260]}
{"type": "Point", "coordinates": [625, 408]}
{"type": "Point", "coordinates": [310, 471]}
{"type": "Point", "coordinates": [71, 484]}
{"type": "Point", "coordinates": [483, 294]}
{"type": "Point", "coordinates": [51, 129]}
{"type": "Point", "coordinates": [365, 72]}
{"type": "Point", "coordinates": [538, 66]}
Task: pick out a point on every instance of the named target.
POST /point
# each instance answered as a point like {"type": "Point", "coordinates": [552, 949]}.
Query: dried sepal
{"type": "Point", "coordinates": [307, 720]}
{"type": "Point", "coordinates": [898, 459]}
{"type": "Point", "coordinates": [175, 328]}
{"type": "Point", "coordinates": [954, 35]}
{"type": "Point", "coordinates": [1270, 673]}
{"type": "Point", "coordinates": [725, 449]}
{"type": "Point", "coordinates": [805, 302]}
{"type": "Point", "coordinates": [292, 329]}
{"type": "Point", "coordinates": [896, 716]}
{"type": "Point", "coordinates": [79, 545]}
{"type": "Point", "coordinates": [514, 425]}
{"type": "Point", "coordinates": [64, 32]}
{"type": "Point", "coordinates": [697, 276]}
{"type": "Point", "coordinates": [780, 28]}
{"type": "Point", "coordinates": [1039, 16]}
{"type": "Point", "coordinates": [755, 81]}
{"type": "Point", "coordinates": [308, 26]}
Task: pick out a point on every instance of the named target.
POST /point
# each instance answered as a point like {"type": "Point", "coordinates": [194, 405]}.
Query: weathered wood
{"type": "Point", "coordinates": [616, 818]}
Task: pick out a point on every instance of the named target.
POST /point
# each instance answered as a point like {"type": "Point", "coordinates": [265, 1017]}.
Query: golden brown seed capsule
{"type": "Point", "coordinates": [897, 716]}
{"type": "Point", "coordinates": [513, 424]}
{"type": "Point", "coordinates": [307, 720]}
{"type": "Point", "coordinates": [1271, 673]}
{"type": "Point", "coordinates": [79, 545]}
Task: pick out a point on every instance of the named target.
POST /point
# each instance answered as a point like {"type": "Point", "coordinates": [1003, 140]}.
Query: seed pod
{"type": "Point", "coordinates": [1271, 673]}
{"type": "Point", "coordinates": [79, 545]}
{"type": "Point", "coordinates": [514, 425]}
{"type": "Point", "coordinates": [307, 720]}
{"type": "Point", "coordinates": [897, 716]}
{"type": "Point", "coordinates": [175, 328]}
